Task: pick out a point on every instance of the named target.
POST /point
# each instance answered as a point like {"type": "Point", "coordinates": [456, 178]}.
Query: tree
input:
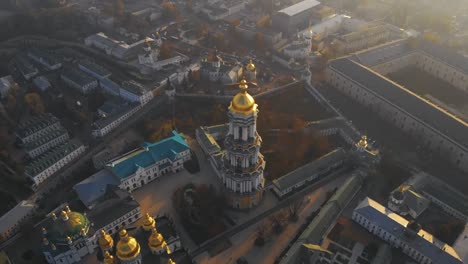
{"type": "Point", "coordinates": [34, 102]}
{"type": "Point", "coordinates": [294, 209]}
{"type": "Point", "coordinates": [259, 41]}
{"type": "Point", "coordinates": [169, 11]}
{"type": "Point", "coordinates": [165, 52]}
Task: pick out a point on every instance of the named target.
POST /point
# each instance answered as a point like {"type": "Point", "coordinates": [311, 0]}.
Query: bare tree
{"type": "Point", "coordinates": [294, 209]}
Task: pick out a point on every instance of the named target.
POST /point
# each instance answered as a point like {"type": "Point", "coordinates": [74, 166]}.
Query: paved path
{"type": "Point", "coordinates": [286, 202]}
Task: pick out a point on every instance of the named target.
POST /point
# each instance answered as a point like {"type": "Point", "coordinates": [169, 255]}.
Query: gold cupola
{"type": "Point", "coordinates": [105, 241]}
{"type": "Point", "coordinates": [362, 143]}
{"type": "Point", "coordinates": [127, 248]}
{"type": "Point", "coordinates": [243, 102]}
{"type": "Point", "coordinates": [156, 241]}
{"type": "Point", "coordinates": [149, 222]}
{"type": "Point", "coordinates": [108, 258]}
{"type": "Point", "coordinates": [67, 209]}
{"type": "Point", "coordinates": [170, 261]}
{"type": "Point", "coordinates": [250, 66]}
{"type": "Point", "coordinates": [64, 216]}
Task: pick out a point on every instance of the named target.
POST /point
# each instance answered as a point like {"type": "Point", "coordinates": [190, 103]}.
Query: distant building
{"type": "Point", "coordinates": [6, 83]}
{"type": "Point", "coordinates": [93, 69]}
{"type": "Point", "coordinates": [42, 83]}
{"type": "Point", "coordinates": [294, 17]}
{"type": "Point", "coordinates": [115, 48]}
{"type": "Point", "coordinates": [434, 127]}
{"type": "Point", "coordinates": [218, 70]}
{"type": "Point", "coordinates": [79, 80]}
{"type": "Point", "coordinates": [135, 92]}
{"type": "Point", "coordinates": [37, 127]}
{"type": "Point", "coordinates": [11, 221]}
{"type": "Point", "coordinates": [108, 122]}
{"type": "Point", "coordinates": [402, 234]}
{"type": "Point", "coordinates": [49, 61]}
{"type": "Point", "coordinates": [25, 67]}
{"type": "Point", "coordinates": [52, 161]}
{"type": "Point", "coordinates": [46, 142]}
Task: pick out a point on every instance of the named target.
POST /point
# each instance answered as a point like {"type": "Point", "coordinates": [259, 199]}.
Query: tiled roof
{"type": "Point", "coordinates": [148, 154]}
{"type": "Point", "coordinates": [299, 7]}
{"type": "Point", "coordinates": [435, 117]}
{"type": "Point", "coordinates": [95, 186]}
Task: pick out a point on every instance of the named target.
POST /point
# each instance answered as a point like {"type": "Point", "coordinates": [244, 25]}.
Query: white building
{"type": "Point", "coordinates": [49, 163]}
{"type": "Point", "coordinates": [11, 221]}
{"type": "Point", "coordinates": [6, 83]}
{"type": "Point", "coordinates": [402, 234]}
{"type": "Point", "coordinates": [436, 128]}
{"type": "Point", "coordinates": [135, 92]}
{"type": "Point", "coordinates": [153, 159]}
{"type": "Point", "coordinates": [217, 70]}
{"type": "Point", "coordinates": [46, 142]}
{"type": "Point", "coordinates": [115, 48]}
{"type": "Point", "coordinates": [106, 124]}
{"type": "Point", "coordinates": [37, 127]}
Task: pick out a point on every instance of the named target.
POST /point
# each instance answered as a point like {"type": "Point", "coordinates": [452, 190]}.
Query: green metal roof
{"type": "Point", "coordinates": [149, 154]}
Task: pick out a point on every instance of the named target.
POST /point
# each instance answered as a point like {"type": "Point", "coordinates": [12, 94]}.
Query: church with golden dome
{"type": "Point", "coordinates": [73, 237]}
{"type": "Point", "coordinates": [240, 165]}
{"type": "Point", "coordinates": [153, 241]}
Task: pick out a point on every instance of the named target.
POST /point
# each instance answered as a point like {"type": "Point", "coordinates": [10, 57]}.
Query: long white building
{"type": "Point", "coordinates": [402, 234]}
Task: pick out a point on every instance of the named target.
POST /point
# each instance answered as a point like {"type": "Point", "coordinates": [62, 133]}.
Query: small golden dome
{"type": "Point", "coordinates": [243, 102]}
{"type": "Point", "coordinates": [156, 240]}
{"type": "Point", "coordinates": [45, 241]}
{"type": "Point", "coordinates": [54, 216]}
{"type": "Point", "coordinates": [148, 223]}
{"type": "Point", "coordinates": [108, 258]}
{"type": "Point", "coordinates": [170, 261]}
{"type": "Point", "coordinates": [105, 241]}
{"type": "Point", "coordinates": [69, 240]}
{"type": "Point", "coordinates": [127, 248]}
{"type": "Point", "coordinates": [64, 215]}
{"type": "Point", "coordinates": [363, 142]}
{"type": "Point", "coordinates": [250, 66]}
{"type": "Point", "coordinates": [67, 209]}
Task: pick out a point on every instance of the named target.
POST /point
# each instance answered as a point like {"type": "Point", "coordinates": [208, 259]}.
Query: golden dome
{"type": "Point", "coordinates": [243, 102]}
{"type": "Point", "coordinates": [170, 261]}
{"type": "Point", "coordinates": [105, 241]}
{"type": "Point", "coordinates": [363, 142]}
{"type": "Point", "coordinates": [108, 258]}
{"type": "Point", "coordinates": [127, 248]}
{"type": "Point", "coordinates": [64, 215]}
{"type": "Point", "coordinates": [148, 223]}
{"type": "Point", "coordinates": [156, 240]}
{"type": "Point", "coordinates": [250, 66]}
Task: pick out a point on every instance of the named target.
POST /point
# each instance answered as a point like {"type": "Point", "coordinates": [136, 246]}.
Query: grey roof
{"type": "Point", "coordinates": [311, 168]}
{"type": "Point", "coordinates": [396, 225]}
{"type": "Point", "coordinates": [15, 215]}
{"type": "Point", "coordinates": [103, 122]}
{"type": "Point", "coordinates": [436, 118]}
{"type": "Point", "coordinates": [98, 69]}
{"type": "Point", "coordinates": [113, 204]}
{"type": "Point", "coordinates": [447, 195]}
{"type": "Point", "coordinates": [382, 53]}
{"type": "Point", "coordinates": [51, 157]}
{"type": "Point", "coordinates": [134, 87]}
{"type": "Point", "coordinates": [25, 66]}
{"type": "Point", "coordinates": [77, 76]}
{"type": "Point", "coordinates": [299, 7]}
{"type": "Point", "coordinates": [95, 186]}
{"type": "Point", "coordinates": [445, 54]}
{"type": "Point", "coordinates": [45, 139]}
{"type": "Point", "coordinates": [48, 58]}
{"type": "Point", "coordinates": [34, 124]}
